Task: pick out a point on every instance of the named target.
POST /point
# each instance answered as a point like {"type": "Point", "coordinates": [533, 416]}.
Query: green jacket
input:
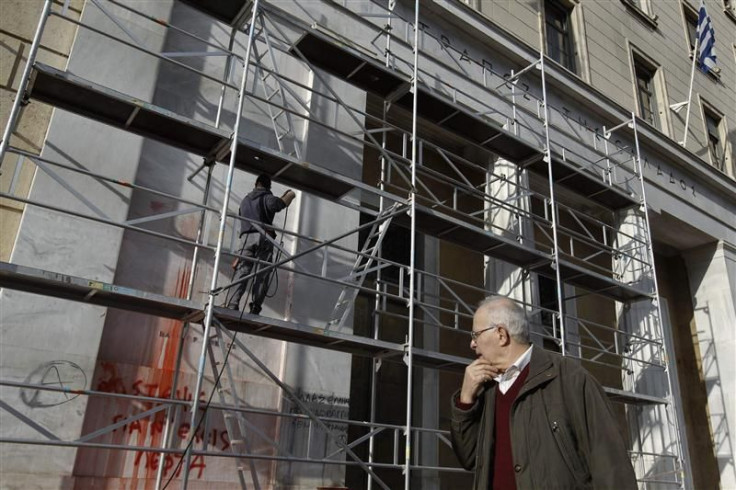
{"type": "Point", "coordinates": [563, 432]}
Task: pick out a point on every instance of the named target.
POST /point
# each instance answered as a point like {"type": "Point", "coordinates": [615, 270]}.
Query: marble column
{"type": "Point", "coordinates": [712, 276]}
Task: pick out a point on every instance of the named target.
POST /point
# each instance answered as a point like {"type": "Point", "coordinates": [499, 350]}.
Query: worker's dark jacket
{"type": "Point", "coordinates": [259, 205]}
{"type": "Point", "coordinates": [563, 433]}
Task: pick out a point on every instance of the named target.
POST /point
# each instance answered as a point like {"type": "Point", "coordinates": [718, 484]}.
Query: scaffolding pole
{"type": "Point", "coordinates": [555, 218]}
{"type": "Point", "coordinates": [682, 456]}
{"type": "Point", "coordinates": [409, 356]}
{"type": "Point", "coordinates": [20, 95]}
{"type": "Point", "coordinates": [165, 440]}
{"type": "Point", "coordinates": [212, 297]}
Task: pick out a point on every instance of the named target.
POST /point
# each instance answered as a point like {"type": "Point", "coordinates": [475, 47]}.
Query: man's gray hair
{"type": "Point", "coordinates": [502, 310]}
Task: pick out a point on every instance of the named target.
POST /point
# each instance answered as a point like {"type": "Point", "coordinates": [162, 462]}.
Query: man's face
{"type": "Point", "coordinates": [485, 345]}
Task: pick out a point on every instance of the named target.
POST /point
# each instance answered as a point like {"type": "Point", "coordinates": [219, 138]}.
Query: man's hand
{"type": "Point", "coordinates": [478, 372]}
{"type": "Point", "coordinates": [288, 197]}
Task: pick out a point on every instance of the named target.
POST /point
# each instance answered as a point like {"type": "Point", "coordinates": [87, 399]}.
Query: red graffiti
{"type": "Point", "coordinates": [214, 437]}
{"type": "Point", "coordinates": [157, 206]}
{"type": "Point", "coordinates": [112, 382]}
{"type": "Point", "coordinates": [151, 462]}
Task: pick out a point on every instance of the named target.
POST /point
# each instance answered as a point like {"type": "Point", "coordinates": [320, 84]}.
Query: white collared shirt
{"type": "Point", "coordinates": [506, 379]}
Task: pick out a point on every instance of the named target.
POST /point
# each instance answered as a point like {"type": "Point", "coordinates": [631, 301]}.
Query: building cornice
{"type": "Point", "coordinates": [481, 27]}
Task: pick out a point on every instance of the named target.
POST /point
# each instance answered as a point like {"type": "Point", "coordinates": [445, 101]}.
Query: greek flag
{"type": "Point", "coordinates": [706, 41]}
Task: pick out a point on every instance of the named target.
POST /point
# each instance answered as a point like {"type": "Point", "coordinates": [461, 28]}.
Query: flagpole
{"type": "Point", "coordinates": [692, 79]}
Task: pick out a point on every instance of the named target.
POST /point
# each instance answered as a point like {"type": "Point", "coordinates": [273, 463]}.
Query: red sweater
{"type": "Point", "coordinates": [503, 458]}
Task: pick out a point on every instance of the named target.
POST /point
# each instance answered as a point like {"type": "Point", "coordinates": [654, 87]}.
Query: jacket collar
{"type": "Point", "coordinates": [256, 193]}
{"type": "Point", "coordinates": [541, 370]}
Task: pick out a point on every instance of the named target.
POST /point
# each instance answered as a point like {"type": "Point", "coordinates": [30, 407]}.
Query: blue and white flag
{"type": "Point", "coordinates": [706, 41]}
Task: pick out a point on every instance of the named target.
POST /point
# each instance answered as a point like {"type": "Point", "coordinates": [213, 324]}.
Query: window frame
{"type": "Point", "coordinates": [729, 8]}
{"type": "Point", "coordinates": [709, 113]}
{"type": "Point", "coordinates": [690, 16]}
{"type": "Point", "coordinates": [573, 49]}
{"type": "Point", "coordinates": [643, 73]}
{"type": "Point", "coordinates": [659, 89]}
{"type": "Point", "coordinates": [643, 10]}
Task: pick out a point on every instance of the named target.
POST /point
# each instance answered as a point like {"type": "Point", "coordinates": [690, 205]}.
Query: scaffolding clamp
{"type": "Point", "coordinates": [402, 90]}
{"type": "Point", "coordinates": [607, 132]}
{"type": "Point", "coordinates": [377, 365]}
{"type": "Point", "coordinates": [217, 153]}
{"type": "Point", "coordinates": [407, 350]}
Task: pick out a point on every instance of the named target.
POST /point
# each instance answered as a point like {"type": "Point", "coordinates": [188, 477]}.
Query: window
{"type": "Point", "coordinates": [645, 92]}
{"type": "Point", "coordinates": [642, 5]}
{"type": "Point", "coordinates": [643, 10]}
{"type": "Point", "coordinates": [691, 22]}
{"type": "Point", "coordinates": [729, 6]}
{"type": "Point", "coordinates": [558, 27]}
{"type": "Point", "coordinates": [714, 134]}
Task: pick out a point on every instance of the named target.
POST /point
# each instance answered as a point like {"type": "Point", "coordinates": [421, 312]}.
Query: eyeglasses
{"type": "Point", "coordinates": [474, 335]}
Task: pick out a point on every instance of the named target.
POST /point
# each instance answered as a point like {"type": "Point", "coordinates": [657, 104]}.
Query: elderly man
{"type": "Point", "coordinates": [528, 419]}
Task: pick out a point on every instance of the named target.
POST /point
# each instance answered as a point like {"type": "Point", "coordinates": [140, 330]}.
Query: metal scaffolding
{"type": "Point", "coordinates": [415, 127]}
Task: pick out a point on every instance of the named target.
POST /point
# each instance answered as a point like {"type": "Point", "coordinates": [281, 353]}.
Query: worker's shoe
{"type": "Point", "coordinates": [255, 309]}
{"type": "Point", "coordinates": [232, 306]}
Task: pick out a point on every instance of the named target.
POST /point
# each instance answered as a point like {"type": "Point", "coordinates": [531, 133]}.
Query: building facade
{"type": "Point", "coordinates": [531, 149]}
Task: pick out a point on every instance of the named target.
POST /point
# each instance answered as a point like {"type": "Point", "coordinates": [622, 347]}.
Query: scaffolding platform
{"type": "Point", "coordinates": [621, 396]}
{"type": "Point", "coordinates": [592, 281]}
{"type": "Point", "coordinates": [74, 94]}
{"type": "Point", "coordinates": [54, 284]}
{"type": "Point", "coordinates": [63, 286]}
{"type": "Point", "coordinates": [340, 58]}
{"type": "Point", "coordinates": [570, 176]}
{"type": "Point", "coordinates": [227, 11]}
{"type": "Point", "coordinates": [264, 326]}
{"type": "Point", "coordinates": [451, 229]}
{"type": "Point", "coordinates": [70, 92]}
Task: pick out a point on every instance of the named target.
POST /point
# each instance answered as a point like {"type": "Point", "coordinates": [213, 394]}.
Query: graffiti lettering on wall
{"type": "Point", "coordinates": [216, 439]}
{"type": "Point", "coordinates": [171, 461]}
{"type": "Point", "coordinates": [110, 379]}
{"type": "Point", "coordinates": [112, 382]}
{"type": "Point", "coordinates": [56, 374]}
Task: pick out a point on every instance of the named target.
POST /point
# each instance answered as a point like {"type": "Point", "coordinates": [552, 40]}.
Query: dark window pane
{"type": "Point", "coordinates": [714, 141]}
{"type": "Point", "coordinates": [645, 93]}
{"type": "Point", "coordinates": [560, 45]}
{"type": "Point", "coordinates": [691, 27]}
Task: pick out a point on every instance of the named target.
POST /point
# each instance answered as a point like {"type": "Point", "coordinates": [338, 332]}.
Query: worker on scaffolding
{"type": "Point", "coordinates": [257, 209]}
{"type": "Point", "coordinates": [525, 418]}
